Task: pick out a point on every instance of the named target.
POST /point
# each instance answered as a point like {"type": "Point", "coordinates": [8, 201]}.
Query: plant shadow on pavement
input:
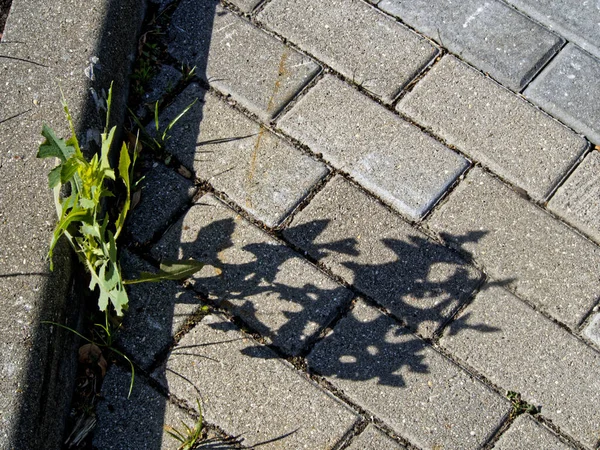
{"type": "Point", "coordinates": [257, 284]}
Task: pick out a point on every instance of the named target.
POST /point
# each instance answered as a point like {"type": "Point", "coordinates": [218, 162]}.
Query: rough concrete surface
{"type": "Point", "coordinates": [488, 34]}
{"type": "Point", "coordinates": [555, 371]}
{"type": "Point", "coordinates": [522, 247]}
{"type": "Point", "coordinates": [216, 42]}
{"type": "Point", "coordinates": [387, 155]}
{"type": "Point", "coordinates": [261, 280]}
{"type": "Point", "coordinates": [565, 89]}
{"type": "Point", "coordinates": [578, 200]}
{"type": "Point", "coordinates": [418, 392]}
{"type": "Point", "coordinates": [494, 127]}
{"type": "Point", "coordinates": [373, 439]}
{"type": "Point", "coordinates": [355, 39]}
{"type": "Point", "coordinates": [525, 433]}
{"type": "Point", "coordinates": [418, 280]}
{"type": "Point", "coordinates": [240, 383]}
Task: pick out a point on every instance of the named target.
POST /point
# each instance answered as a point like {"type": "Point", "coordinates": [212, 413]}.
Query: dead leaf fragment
{"type": "Point", "coordinates": [91, 354]}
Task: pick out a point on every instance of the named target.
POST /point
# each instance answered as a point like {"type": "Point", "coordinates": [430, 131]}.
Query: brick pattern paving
{"type": "Point", "coordinates": [391, 253]}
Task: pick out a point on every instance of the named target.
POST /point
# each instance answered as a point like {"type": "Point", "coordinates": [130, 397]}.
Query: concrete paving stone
{"type": "Point", "coordinates": [399, 378]}
{"type": "Point", "coordinates": [163, 83]}
{"type": "Point", "coordinates": [248, 392]}
{"type": "Point", "coordinates": [387, 155]}
{"type": "Point", "coordinates": [525, 434]}
{"type": "Point", "coordinates": [255, 168]}
{"type": "Point", "coordinates": [373, 439]}
{"type": "Point", "coordinates": [532, 355]}
{"type": "Point", "coordinates": [488, 34]}
{"type": "Point", "coordinates": [494, 126]}
{"type": "Point", "coordinates": [538, 257]}
{"type": "Point", "coordinates": [576, 21]}
{"type": "Point", "coordinates": [245, 5]}
{"type": "Point", "coordinates": [578, 199]}
{"type": "Point", "coordinates": [164, 194]}
{"type": "Point", "coordinates": [257, 70]}
{"type": "Point", "coordinates": [135, 422]}
{"type": "Point", "coordinates": [565, 87]}
{"type": "Point", "coordinates": [156, 312]}
{"type": "Point", "coordinates": [268, 285]}
{"type": "Point", "coordinates": [420, 282]}
{"type": "Point", "coordinates": [355, 39]}
{"type": "Point", "coordinates": [592, 331]}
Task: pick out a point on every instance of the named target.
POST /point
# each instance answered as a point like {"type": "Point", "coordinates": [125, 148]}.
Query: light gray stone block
{"type": "Point", "coordinates": [257, 70]}
{"type": "Point", "coordinates": [135, 422]}
{"type": "Point", "coordinates": [525, 434]}
{"type": "Point", "coordinates": [529, 354]}
{"type": "Point", "coordinates": [538, 257]}
{"type": "Point", "coordinates": [156, 312]}
{"type": "Point", "coordinates": [373, 439]}
{"type": "Point", "coordinates": [592, 331]}
{"type": "Point", "coordinates": [488, 34]}
{"type": "Point", "coordinates": [419, 281]}
{"type": "Point", "coordinates": [268, 285]}
{"type": "Point", "coordinates": [248, 392]}
{"type": "Point", "coordinates": [566, 88]}
{"type": "Point", "coordinates": [387, 155]}
{"type": "Point", "coordinates": [578, 199]}
{"type": "Point", "coordinates": [355, 39]}
{"type": "Point", "coordinates": [494, 126]}
{"type": "Point", "coordinates": [419, 393]}
{"type": "Point", "coordinates": [577, 21]}
{"type": "Point", "coordinates": [256, 169]}
{"type": "Point", "coordinates": [164, 195]}
{"type": "Point", "coordinates": [246, 5]}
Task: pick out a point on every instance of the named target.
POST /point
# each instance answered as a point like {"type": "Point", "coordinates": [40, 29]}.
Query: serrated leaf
{"type": "Point", "coordinates": [87, 203]}
{"type": "Point", "coordinates": [170, 270]}
{"type": "Point", "coordinates": [54, 146]}
{"type": "Point", "coordinates": [54, 176]}
{"type": "Point", "coordinates": [69, 169]}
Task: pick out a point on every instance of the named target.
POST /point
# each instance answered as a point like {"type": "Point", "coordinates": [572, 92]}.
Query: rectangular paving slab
{"type": "Point", "coordinates": [541, 259]}
{"type": "Point", "coordinates": [532, 355]}
{"type": "Point", "coordinates": [415, 390]}
{"type": "Point", "coordinates": [355, 39]}
{"type": "Point", "coordinates": [578, 199]}
{"type": "Point", "coordinates": [494, 126]}
{"type": "Point", "coordinates": [373, 439]}
{"type": "Point", "coordinates": [526, 433]}
{"type": "Point", "coordinates": [273, 289]}
{"type": "Point", "coordinates": [256, 169]}
{"type": "Point", "coordinates": [420, 282]}
{"type": "Point", "coordinates": [256, 69]}
{"type": "Point", "coordinates": [384, 153]}
{"type": "Point", "coordinates": [576, 21]}
{"type": "Point", "coordinates": [245, 390]}
{"type": "Point", "coordinates": [565, 89]}
{"type": "Point", "coordinates": [488, 34]}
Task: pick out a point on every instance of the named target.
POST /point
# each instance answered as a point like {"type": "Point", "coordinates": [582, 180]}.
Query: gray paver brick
{"type": "Point", "coordinates": [384, 153]}
{"type": "Point", "coordinates": [489, 34]}
{"type": "Point", "coordinates": [358, 239]}
{"type": "Point", "coordinates": [355, 39]}
{"type": "Point", "coordinates": [156, 312]}
{"type": "Point", "coordinates": [373, 439]}
{"type": "Point", "coordinates": [494, 126]}
{"type": "Point", "coordinates": [412, 388]}
{"type": "Point", "coordinates": [164, 194]}
{"type": "Point", "coordinates": [532, 355]}
{"type": "Point", "coordinates": [541, 259]}
{"type": "Point", "coordinates": [268, 285]}
{"type": "Point", "coordinates": [256, 169]}
{"type": "Point", "coordinates": [566, 87]}
{"type": "Point", "coordinates": [250, 393]}
{"type": "Point", "coordinates": [163, 83]}
{"type": "Point", "coordinates": [246, 5]}
{"type": "Point", "coordinates": [526, 434]}
{"type": "Point", "coordinates": [578, 199]}
{"type": "Point", "coordinates": [592, 331]}
{"type": "Point", "coordinates": [577, 21]}
{"type": "Point", "coordinates": [256, 69]}
{"type": "Point", "coordinates": [135, 422]}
